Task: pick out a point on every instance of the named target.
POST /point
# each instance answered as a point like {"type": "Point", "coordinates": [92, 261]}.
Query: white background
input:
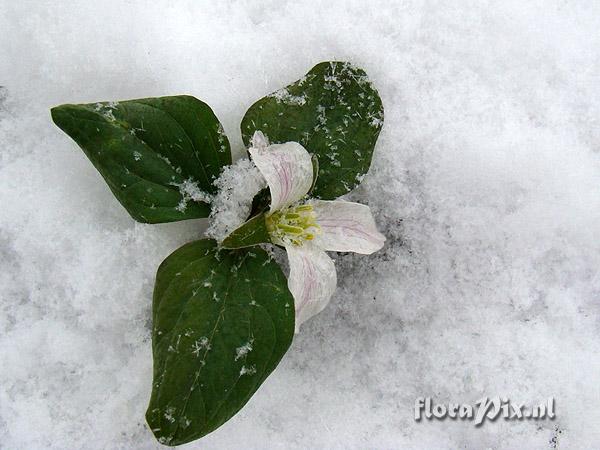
{"type": "Point", "coordinates": [486, 182]}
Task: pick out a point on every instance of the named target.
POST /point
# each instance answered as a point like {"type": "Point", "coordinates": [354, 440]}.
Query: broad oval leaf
{"type": "Point", "coordinates": [159, 156]}
{"type": "Point", "coordinates": [222, 322]}
{"type": "Point", "coordinates": [334, 112]}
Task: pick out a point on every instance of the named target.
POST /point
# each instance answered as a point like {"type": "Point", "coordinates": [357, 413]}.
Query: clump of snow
{"type": "Point", "coordinates": [237, 185]}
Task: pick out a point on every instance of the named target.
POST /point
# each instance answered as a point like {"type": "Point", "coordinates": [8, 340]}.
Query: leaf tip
{"type": "Point", "coordinates": [57, 113]}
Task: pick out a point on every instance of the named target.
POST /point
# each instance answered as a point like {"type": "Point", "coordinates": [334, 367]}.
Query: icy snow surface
{"type": "Point", "coordinates": [486, 182]}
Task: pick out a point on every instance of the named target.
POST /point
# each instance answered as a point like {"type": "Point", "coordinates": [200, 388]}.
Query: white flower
{"type": "Point", "coordinates": [308, 228]}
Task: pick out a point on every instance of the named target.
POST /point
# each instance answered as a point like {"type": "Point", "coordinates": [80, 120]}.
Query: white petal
{"type": "Point", "coordinates": [346, 227]}
{"type": "Point", "coordinates": [312, 280]}
{"type": "Point", "coordinates": [259, 140]}
{"type": "Point", "coordinates": [288, 170]}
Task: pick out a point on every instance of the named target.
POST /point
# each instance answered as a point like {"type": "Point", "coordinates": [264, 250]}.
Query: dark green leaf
{"type": "Point", "coordinates": [334, 112]}
{"type": "Point", "coordinates": [253, 232]}
{"type": "Point", "coordinates": [159, 156]}
{"type": "Point", "coordinates": [222, 322]}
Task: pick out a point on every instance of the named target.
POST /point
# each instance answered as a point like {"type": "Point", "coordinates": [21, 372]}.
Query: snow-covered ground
{"type": "Point", "coordinates": [486, 182]}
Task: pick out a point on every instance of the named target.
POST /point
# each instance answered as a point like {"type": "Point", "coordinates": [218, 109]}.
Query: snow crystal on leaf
{"type": "Point", "coordinates": [200, 345]}
{"type": "Point", "coordinates": [250, 370]}
{"type": "Point", "coordinates": [169, 414]}
{"type": "Point", "coordinates": [106, 110]}
{"type": "Point", "coordinates": [284, 96]}
{"type": "Point", "coordinates": [242, 351]}
{"type": "Point", "coordinates": [222, 137]}
{"type": "Point", "coordinates": [190, 190]}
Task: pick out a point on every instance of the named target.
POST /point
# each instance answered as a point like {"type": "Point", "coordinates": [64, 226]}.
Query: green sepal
{"type": "Point", "coordinates": [252, 232]}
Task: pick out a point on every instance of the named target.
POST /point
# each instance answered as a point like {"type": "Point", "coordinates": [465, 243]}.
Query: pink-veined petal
{"type": "Point", "coordinates": [312, 280]}
{"type": "Point", "coordinates": [346, 227]}
{"type": "Point", "coordinates": [288, 170]}
{"type": "Point", "coordinates": [259, 140]}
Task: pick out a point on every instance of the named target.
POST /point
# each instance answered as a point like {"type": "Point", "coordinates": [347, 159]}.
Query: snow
{"type": "Point", "coordinates": [243, 350]}
{"type": "Point", "coordinates": [202, 345]}
{"type": "Point", "coordinates": [283, 96]}
{"type": "Point", "coordinates": [237, 185]}
{"type": "Point", "coordinates": [485, 182]}
{"type": "Point", "coordinates": [190, 190]}
{"type": "Point", "coordinates": [250, 370]}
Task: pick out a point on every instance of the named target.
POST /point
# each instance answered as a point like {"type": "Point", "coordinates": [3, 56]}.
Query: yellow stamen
{"type": "Point", "coordinates": [290, 229]}
{"type": "Point", "coordinates": [292, 225]}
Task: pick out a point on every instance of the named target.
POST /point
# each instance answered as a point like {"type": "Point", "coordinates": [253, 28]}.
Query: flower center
{"type": "Point", "coordinates": [293, 225]}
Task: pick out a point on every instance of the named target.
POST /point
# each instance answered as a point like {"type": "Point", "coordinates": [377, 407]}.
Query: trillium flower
{"type": "Point", "coordinates": [308, 228]}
